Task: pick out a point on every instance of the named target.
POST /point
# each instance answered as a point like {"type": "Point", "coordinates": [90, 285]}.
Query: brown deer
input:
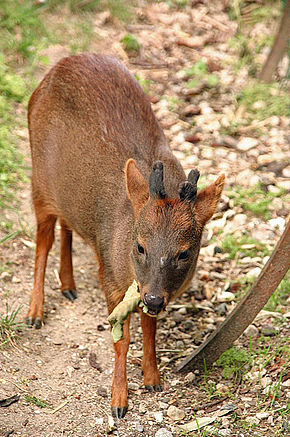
{"type": "Point", "coordinates": [102, 166]}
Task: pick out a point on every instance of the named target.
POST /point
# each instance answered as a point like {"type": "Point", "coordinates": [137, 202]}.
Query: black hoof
{"type": "Point", "coordinates": [119, 412]}
{"type": "Point", "coordinates": [154, 387]}
{"type": "Point", "coordinates": [30, 321]}
{"type": "Point", "coordinates": [70, 294]}
{"type": "Point", "coordinates": [37, 323]}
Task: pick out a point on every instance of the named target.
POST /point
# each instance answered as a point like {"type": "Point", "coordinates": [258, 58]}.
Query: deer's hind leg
{"type": "Point", "coordinates": [44, 240]}
{"type": "Point", "coordinates": [68, 286]}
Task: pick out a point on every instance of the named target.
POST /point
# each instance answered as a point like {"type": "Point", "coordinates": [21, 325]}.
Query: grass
{"type": "Point", "coordinates": [9, 327]}
{"type": "Point", "coordinates": [198, 73]}
{"type": "Point", "coordinates": [233, 361]}
{"type": "Point", "coordinates": [246, 246]}
{"type": "Point", "coordinates": [30, 399]}
{"type": "Point", "coordinates": [275, 98]}
{"type": "Point", "coordinates": [254, 199]}
{"type": "Point", "coordinates": [278, 300]}
{"type": "Point", "coordinates": [130, 43]}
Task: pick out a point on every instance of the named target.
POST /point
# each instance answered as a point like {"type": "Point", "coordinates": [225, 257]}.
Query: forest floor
{"type": "Point", "coordinates": [191, 61]}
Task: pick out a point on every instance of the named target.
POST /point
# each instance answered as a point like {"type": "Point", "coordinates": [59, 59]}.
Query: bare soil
{"type": "Point", "coordinates": [67, 365]}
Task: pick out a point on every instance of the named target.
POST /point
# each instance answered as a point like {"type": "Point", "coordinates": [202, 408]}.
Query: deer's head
{"type": "Point", "coordinates": [167, 231]}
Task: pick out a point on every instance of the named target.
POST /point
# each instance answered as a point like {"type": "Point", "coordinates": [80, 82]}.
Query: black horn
{"type": "Point", "coordinates": [156, 184]}
{"type": "Point", "coordinates": [188, 189]}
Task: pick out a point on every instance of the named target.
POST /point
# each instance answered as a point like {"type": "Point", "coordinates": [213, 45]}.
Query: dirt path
{"type": "Point", "coordinates": [63, 372]}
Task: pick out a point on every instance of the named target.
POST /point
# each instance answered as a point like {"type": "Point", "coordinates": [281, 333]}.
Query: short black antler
{"type": "Point", "coordinates": [156, 184]}
{"type": "Point", "coordinates": [188, 189]}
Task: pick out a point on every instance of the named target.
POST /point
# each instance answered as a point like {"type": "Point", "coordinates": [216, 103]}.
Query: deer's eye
{"type": "Point", "coordinates": [140, 249]}
{"type": "Point", "coordinates": [184, 255]}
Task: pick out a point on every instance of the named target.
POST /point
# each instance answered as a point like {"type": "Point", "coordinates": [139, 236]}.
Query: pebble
{"type": "Point", "coordinates": [221, 309]}
{"type": "Point", "coordinates": [175, 413]}
{"type": "Point", "coordinates": [139, 427]}
{"type": "Point", "coordinates": [251, 331]}
{"type": "Point", "coordinates": [142, 408]}
{"type": "Point", "coordinates": [158, 416]}
{"type": "Point", "coordinates": [225, 296]}
{"type": "Point", "coordinates": [224, 432]}
{"type": "Point", "coordinates": [133, 386]}
{"type": "Point", "coordinates": [254, 272]}
{"type": "Point", "coordinates": [180, 344]}
{"type": "Point", "coordinates": [177, 317]}
{"type": "Point", "coordinates": [247, 143]}
{"type": "Point", "coordinates": [263, 415]}
{"type": "Point", "coordinates": [163, 432]}
{"type": "Point", "coordinates": [189, 377]}
{"type": "Point", "coordinates": [188, 325]}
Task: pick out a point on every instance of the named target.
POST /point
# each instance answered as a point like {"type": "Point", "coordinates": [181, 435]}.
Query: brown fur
{"type": "Point", "coordinates": [88, 121]}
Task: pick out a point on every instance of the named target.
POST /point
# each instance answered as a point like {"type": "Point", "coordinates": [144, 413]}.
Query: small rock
{"type": "Point", "coordinates": [133, 386]}
{"type": "Point", "coordinates": [189, 377]}
{"type": "Point", "coordinates": [177, 317]}
{"type": "Point", "coordinates": [286, 383]}
{"type": "Point", "coordinates": [99, 421]}
{"type": "Point", "coordinates": [251, 331]}
{"type": "Point", "coordinates": [175, 413]}
{"type": "Point", "coordinates": [221, 309]}
{"type": "Point", "coordinates": [191, 110]}
{"type": "Point", "coordinates": [139, 427]}
{"type": "Point", "coordinates": [188, 325]}
{"type": "Point", "coordinates": [179, 344]}
{"type": "Point", "coordinates": [225, 296]}
{"type": "Point", "coordinates": [224, 432]}
{"type": "Point", "coordinates": [158, 416]}
{"type": "Point", "coordinates": [182, 311]}
{"type": "Point", "coordinates": [102, 391]}
{"type": "Point", "coordinates": [252, 420]}
{"type": "Point", "coordinates": [263, 415]}
{"type": "Point", "coordinates": [217, 249]}
{"type": "Point", "coordinates": [110, 425]}
{"type": "Point", "coordinates": [163, 432]}
{"type": "Point", "coordinates": [142, 408]}
{"type": "Point", "coordinates": [247, 143]}
{"type": "Point", "coordinates": [278, 222]}
{"type": "Point", "coordinates": [254, 272]}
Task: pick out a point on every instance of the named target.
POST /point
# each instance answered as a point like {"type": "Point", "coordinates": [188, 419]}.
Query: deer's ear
{"type": "Point", "coordinates": [137, 187]}
{"type": "Point", "coordinates": [207, 200]}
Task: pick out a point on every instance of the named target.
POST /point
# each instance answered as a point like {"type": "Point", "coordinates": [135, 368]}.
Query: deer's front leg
{"type": "Point", "coordinates": [149, 362]}
{"type": "Point", "coordinates": [119, 403]}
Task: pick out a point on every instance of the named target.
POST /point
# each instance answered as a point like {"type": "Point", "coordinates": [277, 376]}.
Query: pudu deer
{"type": "Point", "coordinates": [102, 166]}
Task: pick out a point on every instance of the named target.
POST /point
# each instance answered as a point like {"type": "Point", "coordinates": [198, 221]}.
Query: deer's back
{"type": "Point", "coordinates": [86, 118]}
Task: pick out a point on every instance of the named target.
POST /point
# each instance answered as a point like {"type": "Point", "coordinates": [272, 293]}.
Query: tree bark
{"type": "Point", "coordinates": [279, 46]}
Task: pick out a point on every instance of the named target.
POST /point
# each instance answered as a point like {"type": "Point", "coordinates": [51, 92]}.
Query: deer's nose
{"type": "Point", "coordinates": [154, 303]}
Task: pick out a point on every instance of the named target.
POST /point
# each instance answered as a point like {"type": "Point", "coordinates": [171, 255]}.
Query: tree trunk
{"type": "Point", "coordinates": [279, 46]}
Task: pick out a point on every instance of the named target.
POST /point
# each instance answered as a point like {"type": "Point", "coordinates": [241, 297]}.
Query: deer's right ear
{"type": "Point", "coordinates": [137, 187]}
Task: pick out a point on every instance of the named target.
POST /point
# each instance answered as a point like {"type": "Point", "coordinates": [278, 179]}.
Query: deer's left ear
{"type": "Point", "coordinates": [207, 199]}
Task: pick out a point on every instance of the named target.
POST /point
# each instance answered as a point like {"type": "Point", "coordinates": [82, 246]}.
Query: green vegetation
{"type": "Point", "coordinates": [275, 100]}
{"type": "Point", "coordinates": [246, 245]}
{"type": "Point", "coordinates": [130, 43]}
{"type": "Point", "coordinates": [254, 199]}
{"type": "Point", "coordinates": [29, 399]}
{"type": "Point", "coordinates": [145, 83]}
{"type": "Point", "coordinates": [198, 73]}
{"type": "Point", "coordinates": [233, 360]}
{"type": "Point", "coordinates": [9, 327]}
{"type": "Point", "coordinates": [278, 300]}
{"type": "Point", "coordinates": [12, 92]}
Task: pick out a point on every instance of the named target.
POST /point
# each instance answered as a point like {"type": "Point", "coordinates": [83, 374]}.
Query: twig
{"type": "Point", "coordinates": [60, 406]}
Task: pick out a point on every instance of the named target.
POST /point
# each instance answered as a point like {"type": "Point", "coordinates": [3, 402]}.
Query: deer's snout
{"type": "Point", "coordinates": [154, 303]}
